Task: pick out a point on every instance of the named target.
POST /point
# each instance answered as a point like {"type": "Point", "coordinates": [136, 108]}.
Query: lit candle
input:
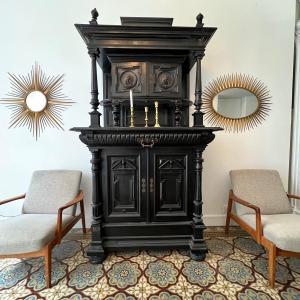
{"type": "Point", "coordinates": [131, 99]}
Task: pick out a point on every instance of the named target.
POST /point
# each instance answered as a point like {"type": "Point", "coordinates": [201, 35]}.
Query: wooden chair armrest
{"type": "Point", "coordinates": [77, 199]}
{"type": "Point", "coordinates": [258, 228]}
{"type": "Point", "coordinates": [12, 199]}
{"type": "Point", "coordinates": [293, 196]}
{"type": "Point", "coordinates": [243, 202]}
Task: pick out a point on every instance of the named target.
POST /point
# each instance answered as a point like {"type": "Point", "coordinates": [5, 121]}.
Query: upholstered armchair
{"type": "Point", "coordinates": [48, 213]}
{"type": "Point", "coordinates": [263, 209]}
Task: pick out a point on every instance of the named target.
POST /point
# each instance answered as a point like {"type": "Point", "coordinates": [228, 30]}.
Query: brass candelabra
{"type": "Point", "coordinates": [131, 117]}
{"type": "Point", "coordinates": [156, 114]}
{"type": "Point", "coordinates": [146, 116]}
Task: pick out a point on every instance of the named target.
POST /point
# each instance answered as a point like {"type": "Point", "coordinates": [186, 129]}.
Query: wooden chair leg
{"type": "Point", "coordinates": [48, 266]}
{"type": "Point", "coordinates": [229, 207]}
{"type": "Point", "coordinates": [272, 265]}
{"type": "Point", "coordinates": [82, 217]}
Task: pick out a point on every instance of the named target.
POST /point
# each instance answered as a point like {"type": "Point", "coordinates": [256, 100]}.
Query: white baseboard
{"type": "Point", "coordinates": [209, 220]}
{"type": "Point", "coordinates": [214, 220]}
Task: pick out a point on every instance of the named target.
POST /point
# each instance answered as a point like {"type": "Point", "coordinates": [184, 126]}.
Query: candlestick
{"type": "Point", "coordinates": [156, 114]}
{"type": "Point", "coordinates": [131, 117]}
{"type": "Point", "coordinates": [131, 98]}
{"type": "Point", "coordinates": [146, 116]}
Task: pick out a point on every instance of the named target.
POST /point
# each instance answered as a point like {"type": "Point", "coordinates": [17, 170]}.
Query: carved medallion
{"type": "Point", "coordinates": [165, 78]}
{"type": "Point", "coordinates": [128, 79]}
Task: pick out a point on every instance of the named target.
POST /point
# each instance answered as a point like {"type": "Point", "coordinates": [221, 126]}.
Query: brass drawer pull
{"type": "Point", "coordinates": [144, 185]}
{"type": "Point", "coordinates": [151, 187]}
{"type": "Point", "coordinates": [146, 142]}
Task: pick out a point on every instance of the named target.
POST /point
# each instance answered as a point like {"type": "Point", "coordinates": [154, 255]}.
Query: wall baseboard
{"type": "Point", "coordinates": [214, 220]}
{"type": "Point", "coordinates": [209, 220]}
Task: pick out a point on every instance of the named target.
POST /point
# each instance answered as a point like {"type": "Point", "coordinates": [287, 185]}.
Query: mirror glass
{"type": "Point", "coordinates": [36, 101]}
{"type": "Point", "coordinates": [235, 103]}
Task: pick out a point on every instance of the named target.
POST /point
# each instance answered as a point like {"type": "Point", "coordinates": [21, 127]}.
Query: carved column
{"type": "Point", "coordinates": [95, 114]}
{"type": "Point", "coordinates": [177, 113]}
{"type": "Point", "coordinates": [198, 247]}
{"type": "Point", "coordinates": [198, 115]}
{"type": "Point", "coordinates": [95, 250]}
{"type": "Point", "coordinates": [116, 113]}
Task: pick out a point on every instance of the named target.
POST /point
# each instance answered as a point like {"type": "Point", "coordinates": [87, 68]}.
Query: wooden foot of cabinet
{"type": "Point", "coordinates": [96, 253]}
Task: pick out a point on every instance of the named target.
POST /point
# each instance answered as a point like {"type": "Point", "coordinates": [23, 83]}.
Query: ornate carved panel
{"type": "Point", "coordinates": [127, 76]}
{"type": "Point", "coordinates": [123, 185]}
{"type": "Point", "coordinates": [166, 79]}
{"type": "Point", "coordinates": [171, 191]}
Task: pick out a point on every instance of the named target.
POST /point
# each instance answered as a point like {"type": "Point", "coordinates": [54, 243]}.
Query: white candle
{"type": "Point", "coordinates": [131, 99]}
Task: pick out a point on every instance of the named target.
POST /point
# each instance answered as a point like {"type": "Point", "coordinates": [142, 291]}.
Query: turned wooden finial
{"type": "Point", "coordinates": [95, 15]}
{"type": "Point", "coordinates": [199, 19]}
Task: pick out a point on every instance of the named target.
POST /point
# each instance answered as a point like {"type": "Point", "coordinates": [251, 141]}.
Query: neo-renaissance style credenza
{"type": "Point", "coordinates": [146, 180]}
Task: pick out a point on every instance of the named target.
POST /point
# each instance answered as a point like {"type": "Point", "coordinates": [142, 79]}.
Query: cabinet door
{"type": "Point", "coordinates": [124, 185]}
{"type": "Point", "coordinates": [170, 184]}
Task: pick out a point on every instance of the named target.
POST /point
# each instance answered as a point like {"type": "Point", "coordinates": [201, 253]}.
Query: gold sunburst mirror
{"type": "Point", "coordinates": [236, 102]}
{"type": "Point", "coordinates": [36, 101]}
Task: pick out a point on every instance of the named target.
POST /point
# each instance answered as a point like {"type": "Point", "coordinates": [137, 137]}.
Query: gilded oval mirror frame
{"type": "Point", "coordinates": [36, 101]}
{"type": "Point", "coordinates": [236, 81]}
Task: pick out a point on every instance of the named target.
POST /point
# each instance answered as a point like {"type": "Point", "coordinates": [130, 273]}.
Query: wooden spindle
{"type": "Point", "coordinates": [198, 114]}
{"type": "Point", "coordinates": [94, 114]}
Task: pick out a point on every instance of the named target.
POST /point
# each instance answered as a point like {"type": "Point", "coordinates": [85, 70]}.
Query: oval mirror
{"type": "Point", "coordinates": [36, 101]}
{"type": "Point", "coordinates": [235, 103]}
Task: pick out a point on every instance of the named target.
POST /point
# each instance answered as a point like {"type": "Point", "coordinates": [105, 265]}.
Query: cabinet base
{"type": "Point", "coordinates": [199, 256]}
{"type": "Point", "coordinates": [147, 242]}
{"type": "Point", "coordinates": [96, 253]}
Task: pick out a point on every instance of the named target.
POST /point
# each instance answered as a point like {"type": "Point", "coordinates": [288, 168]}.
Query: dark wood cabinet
{"type": "Point", "coordinates": [147, 181]}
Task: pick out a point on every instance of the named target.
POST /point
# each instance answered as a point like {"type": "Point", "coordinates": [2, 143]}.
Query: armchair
{"type": "Point", "coordinates": [263, 210]}
{"type": "Point", "coordinates": [48, 213]}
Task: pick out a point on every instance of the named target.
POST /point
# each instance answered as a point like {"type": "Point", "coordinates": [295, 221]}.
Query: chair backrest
{"type": "Point", "coordinates": [262, 188]}
{"type": "Point", "coordinates": [51, 189]}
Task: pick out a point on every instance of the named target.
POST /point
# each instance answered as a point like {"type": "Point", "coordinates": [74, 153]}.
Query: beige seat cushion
{"type": "Point", "coordinates": [51, 189]}
{"type": "Point", "coordinates": [281, 229]}
{"type": "Point", "coordinates": [28, 232]}
{"type": "Point", "coordinates": [262, 188]}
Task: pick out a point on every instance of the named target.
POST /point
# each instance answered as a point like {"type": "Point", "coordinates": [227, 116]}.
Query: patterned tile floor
{"type": "Point", "coordinates": [235, 268]}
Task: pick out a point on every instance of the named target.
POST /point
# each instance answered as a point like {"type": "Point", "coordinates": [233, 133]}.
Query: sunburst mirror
{"type": "Point", "coordinates": [36, 101]}
{"type": "Point", "coordinates": [236, 102]}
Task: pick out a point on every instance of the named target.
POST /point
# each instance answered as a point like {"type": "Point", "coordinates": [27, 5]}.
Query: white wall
{"type": "Point", "coordinates": [253, 37]}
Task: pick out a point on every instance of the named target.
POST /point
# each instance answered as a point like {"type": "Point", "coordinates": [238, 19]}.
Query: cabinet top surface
{"type": "Point", "coordinates": [147, 33]}
{"type": "Point", "coordinates": [139, 130]}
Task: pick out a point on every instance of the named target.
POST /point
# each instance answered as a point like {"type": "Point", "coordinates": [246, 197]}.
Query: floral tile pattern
{"type": "Point", "coordinates": [199, 272]}
{"type": "Point", "coordinates": [235, 271]}
{"type": "Point", "coordinates": [124, 274]}
{"type": "Point", "coordinates": [282, 273]}
{"type": "Point", "coordinates": [11, 274]}
{"type": "Point", "coordinates": [37, 279]}
{"type": "Point", "coordinates": [235, 268]}
{"type": "Point", "coordinates": [161, 273]}
{"type": "Point", "coordinates": [85, 275]}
